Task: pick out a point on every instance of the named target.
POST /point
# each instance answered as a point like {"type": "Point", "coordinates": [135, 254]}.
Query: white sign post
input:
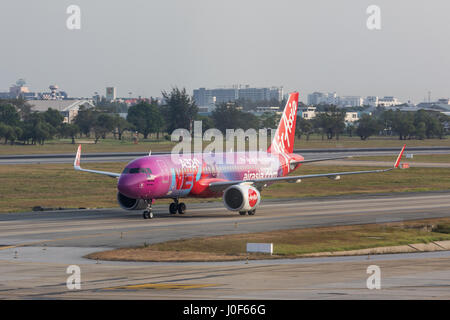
{"type": "Point", "coordinates": [260, 247]}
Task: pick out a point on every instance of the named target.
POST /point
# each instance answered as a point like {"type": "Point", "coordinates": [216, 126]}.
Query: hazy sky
{"type": "Point", "coordinates": [147, 46]}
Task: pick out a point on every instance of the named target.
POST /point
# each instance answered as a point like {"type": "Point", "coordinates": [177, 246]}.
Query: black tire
{"type": "Point", "coordinates": [181, 208]}
{"type": "Point", "coordinates": [173, 208]}
{"type": "Point", "coordinates": [242, 213]}
{"type": "Point", "coordinates": [252, 213]}
{"type": "Point", "coordinates": [148, 214]}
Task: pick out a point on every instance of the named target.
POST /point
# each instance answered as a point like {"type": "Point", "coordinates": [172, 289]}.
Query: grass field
{"type": "Point", "coordinates": [127, 145]}
{"type": "Point", "coordinates": [287, 243]}
{"type": "Point", "coordinates": [57, 185]}
{"type": "Point", "coordinates": [432, 158]}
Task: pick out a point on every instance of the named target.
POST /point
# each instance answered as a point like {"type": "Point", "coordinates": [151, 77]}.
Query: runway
{"type": "Point", "coordinates": [128, 156]}
{"type": "Point", "coordinates": [36, 248]}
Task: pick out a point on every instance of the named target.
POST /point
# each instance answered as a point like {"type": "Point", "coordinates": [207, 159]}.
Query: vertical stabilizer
{"type": "Point", "coordinates": [283, 141]}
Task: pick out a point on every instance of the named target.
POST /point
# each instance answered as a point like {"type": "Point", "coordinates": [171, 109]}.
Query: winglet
{"type": "Point", "coordinates": [397, 162]}
{"type": "Point", "coordinates": [76, 163]}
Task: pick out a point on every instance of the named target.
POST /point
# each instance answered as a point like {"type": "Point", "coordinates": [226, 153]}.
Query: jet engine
{"type": "Point", "coordinates": [241, 197]}
{"type": "Point", "coordinates": [130, 203]}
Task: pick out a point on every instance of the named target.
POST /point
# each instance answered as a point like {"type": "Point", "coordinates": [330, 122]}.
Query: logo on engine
{"type": "Point", "coordinates": [252, 197]}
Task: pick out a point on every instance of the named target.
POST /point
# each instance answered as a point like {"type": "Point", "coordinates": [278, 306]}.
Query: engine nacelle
{"type": "Point", "coordinates": [130, 203]}
{"type": "Point", "coordinates": [241, 197]}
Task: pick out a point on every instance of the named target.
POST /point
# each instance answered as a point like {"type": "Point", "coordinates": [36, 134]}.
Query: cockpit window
{"type": "Point", "coordinates": [137, 170]}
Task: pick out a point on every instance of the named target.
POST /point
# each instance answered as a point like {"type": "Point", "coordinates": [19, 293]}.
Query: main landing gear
{"type": "Point", "coordinates": [148, 213]}
{"type": "Point", "coordinates": [177, 207]}
{"type": "Point", "coordinates": [250, 213]}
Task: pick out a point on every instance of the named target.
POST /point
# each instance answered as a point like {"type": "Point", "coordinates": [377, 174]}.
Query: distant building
{"type": "Point", "coordinates": [388, 101]}
{"type": "Point", "coordinates": [307, 112]}
{"type": "Point", "coordinates": [205, 99]}
{"type": "Point", "coordinates": [261, 94]}
{"type": "Point", "coordinates": [111, 93]}
{"type": "Point", "coordinates": [210, 97]}
{"type": "Point", "coordinates": [68, 108]}
{"type": "Point", "coordinates": [317, 98]}
{"type": "Point", "coordinates": [443, 104]}
{"type": "Point", "coordinates": [351, 117]}
{"type": "Point", "coordinates": [350, 101]}
{"type": "Point", "coordinates": [371, 101]}
{"type": "Point", "coordinates": [261, 110]}
{"type": "Point", "coordinates": [20, 90]}
{"type": "Point", "coordinates": [310, 112]}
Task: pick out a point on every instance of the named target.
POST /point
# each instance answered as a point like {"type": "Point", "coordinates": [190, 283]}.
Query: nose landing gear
{"type": "Point", "coordinates": [148, 213]}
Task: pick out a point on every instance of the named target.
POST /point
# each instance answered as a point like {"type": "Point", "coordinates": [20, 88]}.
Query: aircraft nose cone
{"type": "Point", "coordinates": [130, 186]}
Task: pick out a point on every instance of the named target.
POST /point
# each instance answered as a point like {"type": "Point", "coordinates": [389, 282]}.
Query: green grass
{"type": "Point", "coordinates": [324, 239]}
{"type": "Point", "coordinates": [409, 180]}
{"type": "Point", "coordinates": [316, 142]}
{"type": "Point", "coordinates": [127, 145]}
{"type": "Point", "coordinates": [107, 145]}
{"type": "Point", "coordinates": [288, 243]}
{"type": "Point", "coordinates": [433, 158]}
{"type": "Point", "coordinates": [57, 185]}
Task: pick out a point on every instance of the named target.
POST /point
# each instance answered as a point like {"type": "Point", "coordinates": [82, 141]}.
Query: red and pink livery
{"type": "Point", "coordinates": [202, 175]}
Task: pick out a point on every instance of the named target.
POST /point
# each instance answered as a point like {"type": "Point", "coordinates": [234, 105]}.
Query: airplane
{"type": "Point", "coordinates": [200, 175]}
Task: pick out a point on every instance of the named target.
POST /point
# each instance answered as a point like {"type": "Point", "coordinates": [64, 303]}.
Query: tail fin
{"type": "Point", "coordinates": [76, 163]}
{"type": "Point", "coordinates": [397, 162]}
{"type": "Point", "coordinates": [283, 141]}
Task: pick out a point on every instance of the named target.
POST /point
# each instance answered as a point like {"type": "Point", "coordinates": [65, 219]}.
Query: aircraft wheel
{"type": "Point", "coordinates": [148, 214]}
{"type": "Point", "coordinates": [181, 208]}
{"type": "Point", "coordinates": [173, 208]}
{"type": "Point", "coordinates": [242, 213]}
{"type": "Point", "coordinates": [252, 213]}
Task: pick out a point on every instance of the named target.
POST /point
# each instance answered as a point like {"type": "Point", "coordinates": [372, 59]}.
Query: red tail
{"type": "Point", "coordinates": [283, 141]}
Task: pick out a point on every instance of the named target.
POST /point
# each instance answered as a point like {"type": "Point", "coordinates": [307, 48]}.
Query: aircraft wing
{"type": "Point", "coordinates": [76, 166]}
{"type": "Point", "coordinates": [260, 183]}
{"type": "Point", "coordinates": [320, 159]}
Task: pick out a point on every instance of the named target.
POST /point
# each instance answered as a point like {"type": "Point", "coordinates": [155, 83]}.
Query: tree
{"type": "Point", "coordinates": [367, 126]}
{"type": "Point", "coordinates": [403, 124]}
{"type": "Point", "coordinates": [9, 114]}
{"type": "Point", "coordinates": [180, 109]}
{"type": "Point", "coordinates": [269, 120]}
{"type": "Point", "coordinates": [429, 123]}
{"type": "Point", "coordinates": [53, 117]}
{"type": "Point", "coordinates": [10, 133]}
{"type": "Point", "coordinates": [85, 120]}
{"type": "Point", "coordinates": [103, 124]}
{"type": "Point", "coordinates": [111, 106]}
{"type": "Point", "coordinates": [121, 125]}
{"type": "Point", "coordinates": [304, 127]}
{"type": "Point", "coordinates": [37, 129]}
{"type": "Point", "coordinates": [67, 130]}
{"type": "Point", "coordinates": [330, 122]}
{"type": "Point", "coordinates": [226, 116]}
{"type": "Point", "coordinates": [350, 129]}
{"type": "Point", "coordinates": [22, 105]}
{"type": "Point", "coordinates": [207, 122]}
{"type": "Point", "coordinates": [146, 118]}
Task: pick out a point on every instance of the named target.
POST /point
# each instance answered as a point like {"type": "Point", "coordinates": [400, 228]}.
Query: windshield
{"type": "Point", "coordinates": [136, 170]}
